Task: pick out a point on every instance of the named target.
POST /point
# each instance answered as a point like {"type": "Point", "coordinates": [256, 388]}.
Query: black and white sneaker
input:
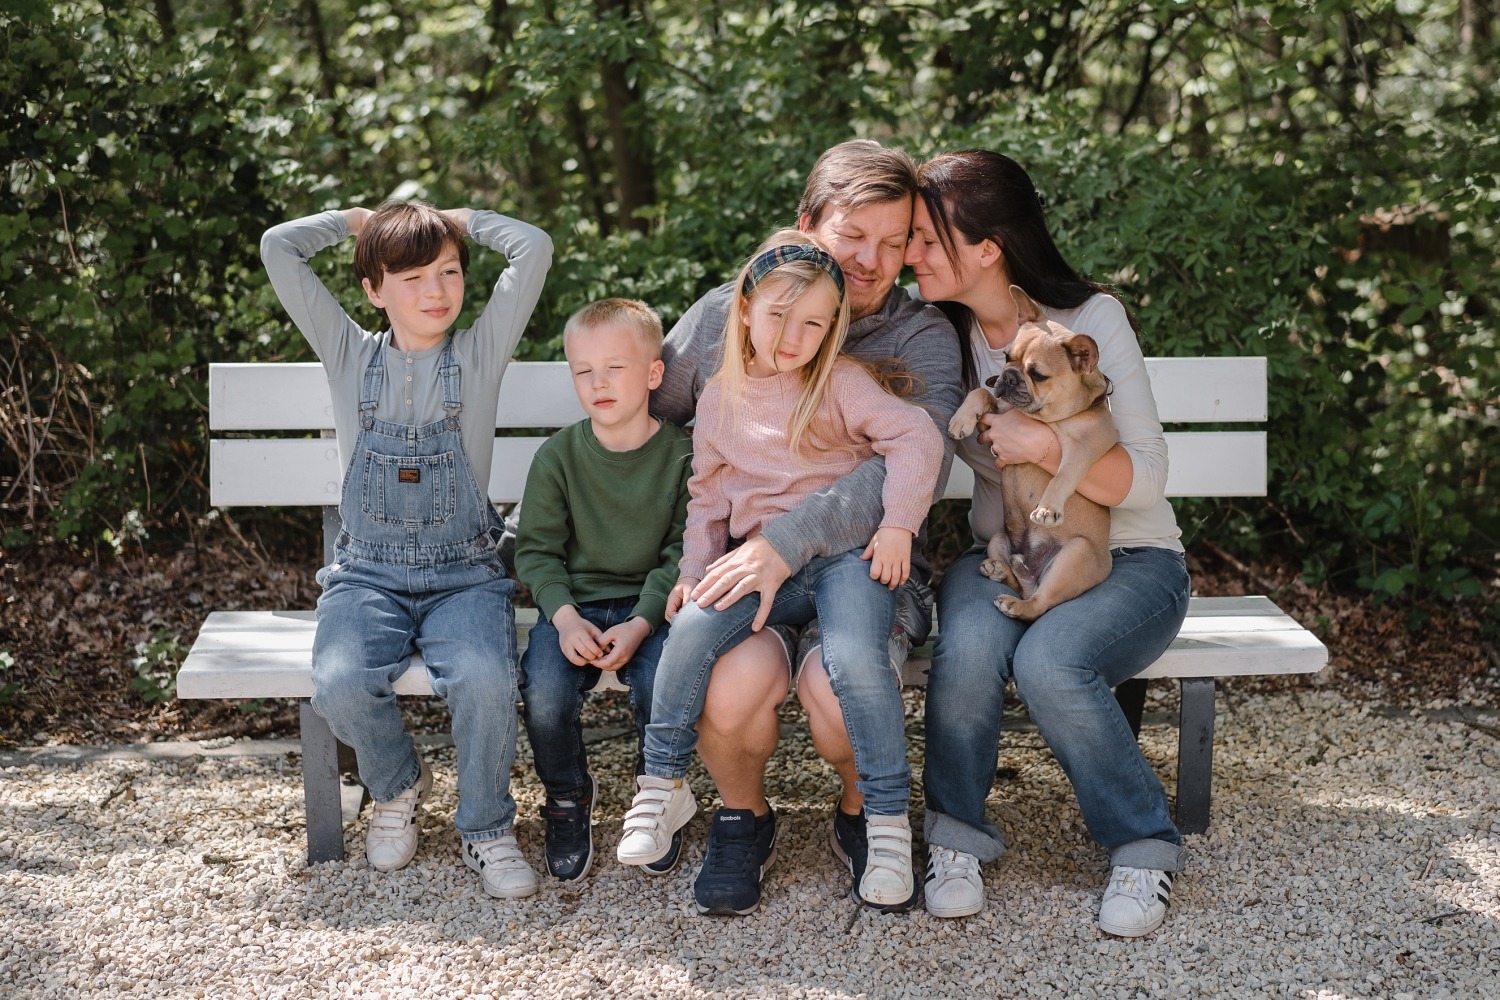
{"type": "Point", "coordinates": [849, 844]}
{"type": "Point", "coordinates": [741, 848]}
{"type": "Point", "coordinates": [668, 864]}
{"type": "Point", "coordinates": [1135, 903]}
{"type": "Point", "coordinates": [570, 834]}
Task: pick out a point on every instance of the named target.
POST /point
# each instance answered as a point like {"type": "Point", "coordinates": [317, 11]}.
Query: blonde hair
{"type": "Point", "coordinates": [788, 282]}
{"type": "Point", "coordinates": [632, 313]}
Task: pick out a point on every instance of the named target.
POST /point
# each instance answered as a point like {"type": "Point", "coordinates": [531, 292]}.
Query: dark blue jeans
{"type": "Point", "coordinates": [552, 690]}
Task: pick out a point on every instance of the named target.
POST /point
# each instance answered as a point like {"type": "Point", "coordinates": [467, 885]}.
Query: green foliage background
{"type": "Point", "coordinates": [1309, 180]}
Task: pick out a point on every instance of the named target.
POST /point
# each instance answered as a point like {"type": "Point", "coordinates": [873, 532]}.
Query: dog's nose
{"type": "Point", "coordinates": [1011, 377]}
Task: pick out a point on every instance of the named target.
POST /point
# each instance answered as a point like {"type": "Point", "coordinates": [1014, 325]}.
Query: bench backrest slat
{"type": "Point", "coordinates": [272, 398]}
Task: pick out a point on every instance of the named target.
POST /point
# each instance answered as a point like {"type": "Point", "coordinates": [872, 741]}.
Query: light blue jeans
{"type": "Point", "coordinates": [854, 614]}
{"type": "Point", "coordinates": [1065, 665]}
{"type": "Point", "coordinates": [467, 637]}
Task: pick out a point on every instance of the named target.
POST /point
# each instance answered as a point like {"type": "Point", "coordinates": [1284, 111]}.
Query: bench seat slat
{"type": "Point", "coordinates": [267, 654]}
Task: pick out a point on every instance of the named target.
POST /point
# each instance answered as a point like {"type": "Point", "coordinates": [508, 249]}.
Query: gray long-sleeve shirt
{"type": "Point", "coordinates": [413, 386]}
{"type": "Point", "coordinates": [847, 514]}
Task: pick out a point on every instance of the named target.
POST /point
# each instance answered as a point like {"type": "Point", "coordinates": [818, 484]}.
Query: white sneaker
{"type": "Point", "coordinates": [954, 887]}
{"type": "Point", "coordinates": [887, 883]}
{"type": "Point", "coordinates": [661, 808]}
{"type": "Point", "coordinates": [391, 838]}
{"type": "Point", "coordinates": [1135, 902]}
{"type": "Point", "coordinates": [502, 865]}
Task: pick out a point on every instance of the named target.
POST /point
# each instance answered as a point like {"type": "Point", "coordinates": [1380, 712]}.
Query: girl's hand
{"type": "Point", "coordinates": [577, 637]}
{"type": "Point", "coordinates": [680, 595]}
{"type": "Point", "coordinates": [1016, 439]}
{"type": "Point", "coordinates": [889, 553]}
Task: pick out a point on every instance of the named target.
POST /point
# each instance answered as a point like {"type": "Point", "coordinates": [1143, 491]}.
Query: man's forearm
{"type": "Point", "coordinates": [844, 516]}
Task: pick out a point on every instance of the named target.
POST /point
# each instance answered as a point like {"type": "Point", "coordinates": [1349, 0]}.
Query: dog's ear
{"type": "Point", "coordinates": [1083, 353]}
{"type": "Point", "coordinates": [1026, 309]}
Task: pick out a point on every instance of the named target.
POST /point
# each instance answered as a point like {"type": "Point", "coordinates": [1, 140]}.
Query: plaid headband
{"type": "Point", "coordinates": [772, 259]}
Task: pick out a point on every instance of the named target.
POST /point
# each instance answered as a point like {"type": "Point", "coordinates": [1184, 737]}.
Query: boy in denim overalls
{"type": "Point", "coordinates": [417, 565]}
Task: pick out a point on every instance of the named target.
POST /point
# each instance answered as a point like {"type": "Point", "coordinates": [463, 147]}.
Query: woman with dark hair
{"type": "Point", "coordinates": [978, 229]}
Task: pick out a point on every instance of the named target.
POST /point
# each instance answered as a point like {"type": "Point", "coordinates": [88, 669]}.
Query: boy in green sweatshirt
{"type": "Point", "coordinates": [598, 543]}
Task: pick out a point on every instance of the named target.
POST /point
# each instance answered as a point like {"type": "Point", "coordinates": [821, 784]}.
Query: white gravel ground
{"type": "Point", "coordinates": [1352, 854]}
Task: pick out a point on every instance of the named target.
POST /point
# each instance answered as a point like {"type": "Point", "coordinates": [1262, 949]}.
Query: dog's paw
{"type": "Point", "coordinates": [1014, 607]}
{"type": "Point", "coordinates": [1046, 517]}
{"type": "Point", "coordinates": [996, 570]}
{"type": "Point", "coordinates": [962, 425]}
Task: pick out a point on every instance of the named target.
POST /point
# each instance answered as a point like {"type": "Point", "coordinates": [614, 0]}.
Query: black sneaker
{"type": "Point", "coordinates": [668, 862]}
{"type": "Point", "coordinates": [741, 848]}
{"type": "Point", "coordinates": [570, 834]}
{"type": "Point", "coordinates": [849, 843]}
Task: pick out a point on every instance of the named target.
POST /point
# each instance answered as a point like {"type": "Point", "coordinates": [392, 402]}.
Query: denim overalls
{"type": "Point", "coordinates": [417, 566]}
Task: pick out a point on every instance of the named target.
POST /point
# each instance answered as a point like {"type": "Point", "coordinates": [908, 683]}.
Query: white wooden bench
{"type": "Point", "coordinates": [267, 654]}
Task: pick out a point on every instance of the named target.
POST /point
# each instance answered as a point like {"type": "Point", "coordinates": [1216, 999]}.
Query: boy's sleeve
{"type": "Point", "coordinates": [542, 536]}
{"type": "Point", "coordinates": [285, 250]}
{"type": "Point", "coordinates": [528, 252]}
{"type": "Point", "coordinates": [652, 605]}
{"type": "Point", "coordinates": [846, 514]}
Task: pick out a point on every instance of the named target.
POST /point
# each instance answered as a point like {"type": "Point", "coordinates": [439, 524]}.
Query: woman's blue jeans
{"type": "Point", "coordinates": [1064, 665]}
{"type": "Point", "coordinates": [854, 615]}
{"type": "Point", "coordinates": [552, 692]}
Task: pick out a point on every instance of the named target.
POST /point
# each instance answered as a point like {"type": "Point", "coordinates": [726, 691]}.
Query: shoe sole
{"type": "Point", "coordinates": [422, 794]}
{"type": "Point", "coordinates": [1130, 932]}
{"type": "Point", "coordinates": [948, 913]}
{"type": "Point", "coordinates": [725, 911]}
{"type": "Point", "coordinates": [672, 824]}
{"type": "Point", "coordinates": [674, 852]}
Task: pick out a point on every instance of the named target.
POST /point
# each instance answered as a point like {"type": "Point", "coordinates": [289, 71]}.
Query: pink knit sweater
{"type": "Point", "coordinates": [744, 473]}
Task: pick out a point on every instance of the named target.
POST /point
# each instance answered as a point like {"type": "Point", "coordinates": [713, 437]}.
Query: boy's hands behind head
{"type": "Point", "coordinates": [355, 219]}
{"type": "Point", "coordinates": [889, 553]}
{"type": "Point", "coordinates": [460, 216]}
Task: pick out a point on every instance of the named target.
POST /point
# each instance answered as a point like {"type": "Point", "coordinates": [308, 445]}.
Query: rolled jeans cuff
{"type": "Point", "coordinates": [1160, 855]}
{"type": "Point", "coordinates": [985, 843]}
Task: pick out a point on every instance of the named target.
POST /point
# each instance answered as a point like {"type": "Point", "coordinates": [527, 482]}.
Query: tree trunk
{"type": "Point", "coordinates": [630, 145]}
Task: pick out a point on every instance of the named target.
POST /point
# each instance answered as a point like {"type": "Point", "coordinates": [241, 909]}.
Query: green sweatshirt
{"type": "Point", "coordinates": [598, 524]}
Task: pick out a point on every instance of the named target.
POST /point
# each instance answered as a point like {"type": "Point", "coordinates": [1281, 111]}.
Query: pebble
{"type": "Point", "coordinates": [1350, 856]}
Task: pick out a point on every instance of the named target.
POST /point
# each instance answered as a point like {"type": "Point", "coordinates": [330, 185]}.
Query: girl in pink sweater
{"type": "Point", "coordinates": [784, 417]}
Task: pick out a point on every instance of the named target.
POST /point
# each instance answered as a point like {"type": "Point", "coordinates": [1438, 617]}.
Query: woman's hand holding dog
{"type": "Point", "coordinates": [1017, 439]}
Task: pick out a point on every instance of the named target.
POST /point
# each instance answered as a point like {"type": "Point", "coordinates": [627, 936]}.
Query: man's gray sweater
{"type": "Point", "coordinates": [847, 514]}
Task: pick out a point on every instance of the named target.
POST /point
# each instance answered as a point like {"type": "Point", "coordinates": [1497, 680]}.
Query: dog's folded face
{"type": "Point", "coordinates": [1051, 372]}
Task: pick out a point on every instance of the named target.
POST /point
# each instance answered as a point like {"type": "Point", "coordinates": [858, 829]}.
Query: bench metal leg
{"type": "Point", "coordinates": [320, 789]}
{"type": "Point", "coordinates": [1195, 754]}
{"type": "Point", "coordinates": [1131, 695]}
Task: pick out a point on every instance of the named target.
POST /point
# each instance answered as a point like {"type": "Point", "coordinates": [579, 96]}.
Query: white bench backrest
{"type": "Point", "coordinates": [258, 402]}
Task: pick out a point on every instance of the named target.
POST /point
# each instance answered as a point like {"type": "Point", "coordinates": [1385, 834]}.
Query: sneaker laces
{"type": "Point", "coordinates": [566, 821]}
{"type": "Point", "coordinates": [944, 863]}
{"type": "Point", "coordinates": [1145, 885]}
{"type": "Point", "coordinates": [728, 856]}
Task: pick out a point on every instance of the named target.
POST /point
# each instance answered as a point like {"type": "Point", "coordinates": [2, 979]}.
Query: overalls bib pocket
{"type": "Point", "coordinates": [410, 490]}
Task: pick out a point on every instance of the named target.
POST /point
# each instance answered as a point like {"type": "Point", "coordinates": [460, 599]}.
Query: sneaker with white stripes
{"type": "Point", "coordinates": [954, 887]}
{"type": "Point", "coordinates": [1135, 902]}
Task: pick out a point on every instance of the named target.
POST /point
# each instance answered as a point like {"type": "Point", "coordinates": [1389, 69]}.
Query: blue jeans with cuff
{"type": "Point", "coordinates": [1065, 665]}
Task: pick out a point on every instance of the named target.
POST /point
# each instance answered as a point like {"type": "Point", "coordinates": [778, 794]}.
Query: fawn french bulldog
{"type": "Point", "coordinates": [1055, 543]}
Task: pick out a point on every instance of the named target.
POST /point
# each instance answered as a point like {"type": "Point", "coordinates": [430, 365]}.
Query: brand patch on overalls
{"type": "Point", "coordinates": [408, 475]}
